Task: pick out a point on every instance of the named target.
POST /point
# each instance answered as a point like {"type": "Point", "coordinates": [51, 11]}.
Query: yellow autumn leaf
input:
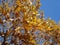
{"type": "Point", "coordinates": [28, 27]}
{"type": "Point", "coordinates": [18, 2]}
{"type": "Point", "coordinates": [40, 27]}
{"type": "Point", "coordinates": [17, 9]}
{"type": "Point", "coordinates": [33, 41]}
{"type": "Point", "coordinates": [38, 21]}
{"type": "Point", "coordinates": [33, 7]}
{"type": "Point", "coordinates": [49, 29]}
{"type": "Point", "coordinates": [35, 12]}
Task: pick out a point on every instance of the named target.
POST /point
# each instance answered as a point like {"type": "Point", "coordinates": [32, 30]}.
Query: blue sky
{"type": "Point", "coordinates": [51, 9]}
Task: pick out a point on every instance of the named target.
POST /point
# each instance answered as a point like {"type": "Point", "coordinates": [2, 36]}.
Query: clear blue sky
{"type": "Point", "coordinates": [51, 9]}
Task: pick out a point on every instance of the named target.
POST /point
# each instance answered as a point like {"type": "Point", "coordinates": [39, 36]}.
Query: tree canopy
{"type": "Point", "coordinates": [23, 23]}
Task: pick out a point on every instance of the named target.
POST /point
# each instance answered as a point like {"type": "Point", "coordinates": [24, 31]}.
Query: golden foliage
{"type": "Point", "coordinates": [21, 20]}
